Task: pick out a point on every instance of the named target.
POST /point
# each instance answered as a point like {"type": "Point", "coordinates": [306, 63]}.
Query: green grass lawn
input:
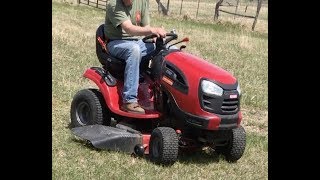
{"type": "Point", "coordinates": [229, 45]}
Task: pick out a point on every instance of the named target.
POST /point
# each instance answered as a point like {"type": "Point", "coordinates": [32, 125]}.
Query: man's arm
{"type": "Point", "coordinates": [142, 31]}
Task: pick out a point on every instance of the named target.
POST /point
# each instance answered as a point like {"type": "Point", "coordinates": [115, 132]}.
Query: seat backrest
{"type": "Point", "coordinates": [113, 65]}
{"type": "Point", "coordinates": [101, 54]}
{"type": "Point", "coordinates": [100, 32]}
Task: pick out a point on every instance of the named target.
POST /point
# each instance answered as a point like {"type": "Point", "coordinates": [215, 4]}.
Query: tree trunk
{"type": "Point", "coordinates": [216, 12]}
{"type": "Point", "coordinates": [257, 14]}
{"type": "Point", "coordinates": [236, 9]}
{"type": "Point", "coordinates": [162, 8]}
{"type": "Point", "coordinates": [181, 6]}
{"type": "Point", "coordinates": [197, 8]}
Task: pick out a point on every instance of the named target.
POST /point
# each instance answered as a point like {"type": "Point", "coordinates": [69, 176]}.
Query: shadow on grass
{"type": "Point", "coordinates": [69, 126]}
{"type": "Point", "coordinates": [199, 157]}
{"type": "Point", "coordinates": [184, 157]}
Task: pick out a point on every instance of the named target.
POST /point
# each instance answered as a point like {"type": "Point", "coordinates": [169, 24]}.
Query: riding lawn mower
{"type": "Point", "coordinates": [189, 104]}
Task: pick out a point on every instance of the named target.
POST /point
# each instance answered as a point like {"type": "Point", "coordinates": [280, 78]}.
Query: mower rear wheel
{"type": "Point", "coordinates": [87, 108]}
{"type": "Point", "coordinates": [236, 146]}
{"type": "Point", "coordinates": [163, 146]}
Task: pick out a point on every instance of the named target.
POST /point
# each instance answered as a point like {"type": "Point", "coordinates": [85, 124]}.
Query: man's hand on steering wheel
{"type": "Point", "coordinates": [160, 32]}
{"type": "Point", "coordinates": [150, 38]}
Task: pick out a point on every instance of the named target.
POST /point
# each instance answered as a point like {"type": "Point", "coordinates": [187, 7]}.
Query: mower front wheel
{"type": "Point", "coordinates": [236, 145]}
{"type": "Point", "coordinates": [88, 108]}
{"type": "Point", "coordinates": [163, 146]}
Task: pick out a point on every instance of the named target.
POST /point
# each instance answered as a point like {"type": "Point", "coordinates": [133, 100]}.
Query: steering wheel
{"type": "Point", "coordinates": [159, 43]}
{"type": "Point", "coordinates": [149, 38]}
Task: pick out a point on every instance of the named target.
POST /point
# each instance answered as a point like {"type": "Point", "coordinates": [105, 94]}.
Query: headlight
{"type": "Point", "coordinates": [211, 88]}
{"type": "Point", "coordinates": [238, 89]}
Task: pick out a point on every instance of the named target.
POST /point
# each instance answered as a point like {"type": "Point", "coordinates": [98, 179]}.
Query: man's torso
{"type": "Point", "coordinates": [117, 13]}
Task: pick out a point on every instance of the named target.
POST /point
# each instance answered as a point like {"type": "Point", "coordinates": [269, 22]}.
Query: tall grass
{"type": "Point", "coordinates": [206, 12]}
{"type": "Point", "coordinates": [229, 45]}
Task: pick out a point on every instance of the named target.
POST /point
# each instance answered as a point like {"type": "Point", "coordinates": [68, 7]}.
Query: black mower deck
{"type": "Point", "coordinates": [110, 138]}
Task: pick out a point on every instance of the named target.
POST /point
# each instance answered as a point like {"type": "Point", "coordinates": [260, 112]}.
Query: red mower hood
{"type": "Point", "coordinates": [200, 68]}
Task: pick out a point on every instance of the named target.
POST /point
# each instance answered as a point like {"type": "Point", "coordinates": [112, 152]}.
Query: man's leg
{"type": "Point", "coordinates": [131, 53]}
{"type": "Point", "coordinates": [146, 48]}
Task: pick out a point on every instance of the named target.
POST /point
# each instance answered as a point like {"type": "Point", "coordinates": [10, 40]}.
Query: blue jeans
{"type": "Point", "coordinates": [131, 52]}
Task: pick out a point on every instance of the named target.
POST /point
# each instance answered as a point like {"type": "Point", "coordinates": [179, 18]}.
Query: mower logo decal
{"type": "Point", "coordinates": [233, 96]}
{"type": "Point", "coordinates": [167, 80]}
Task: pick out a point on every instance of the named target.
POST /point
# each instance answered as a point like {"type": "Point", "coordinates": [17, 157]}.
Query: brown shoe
{"type": "Point", "coordinates": [132, 107]}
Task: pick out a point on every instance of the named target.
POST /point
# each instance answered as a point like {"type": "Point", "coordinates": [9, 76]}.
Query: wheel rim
{"type": "Point", "coordinates": [83, 113]}
{"type": "Point", "coordinates": [156, 147]}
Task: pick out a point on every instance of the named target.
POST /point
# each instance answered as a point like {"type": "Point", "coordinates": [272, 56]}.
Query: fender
{"type": "Point", "coordinates": [111, 96]}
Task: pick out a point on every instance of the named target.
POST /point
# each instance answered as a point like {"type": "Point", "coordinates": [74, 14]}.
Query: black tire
{"type": "Point", "coordinates": [164, 146]}
{"type": "Point", "coordinates": [236, 146]}
{"type": "Point", "coordinates": [87, 108]}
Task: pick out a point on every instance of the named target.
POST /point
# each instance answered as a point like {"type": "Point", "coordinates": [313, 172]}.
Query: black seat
{"type": "Point", "coordinates": [114, 65]}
